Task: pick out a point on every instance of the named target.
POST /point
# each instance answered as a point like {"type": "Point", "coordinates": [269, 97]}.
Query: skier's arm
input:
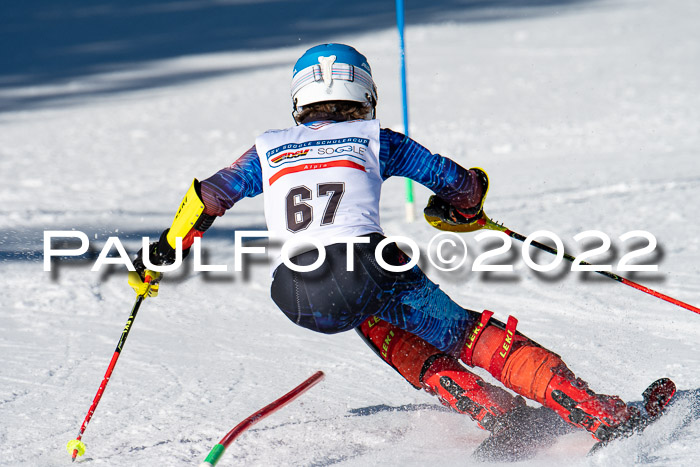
{"type": "Point", "coordinates": [202, 203]}
{"type": "Point", "coordinates": [226, 187]}
{"type": "Point", "coordinates": [460, 189]}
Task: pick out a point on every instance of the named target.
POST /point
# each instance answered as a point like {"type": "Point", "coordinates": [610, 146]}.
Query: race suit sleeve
{"type": "Point", "coordinates": [218, 193]}
{"type": "Point", "coordinates": [401, 156]}
{"type": "Point", "coordinates": [226, 187]}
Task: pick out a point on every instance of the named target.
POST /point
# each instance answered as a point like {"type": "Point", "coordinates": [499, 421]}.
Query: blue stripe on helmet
{"type": "Point", "coordinates": [343, 54]}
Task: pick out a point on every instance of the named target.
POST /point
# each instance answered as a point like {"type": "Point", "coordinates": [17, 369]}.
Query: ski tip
{"type": "Point", "coordinates": [658, 395]}
{"type": "Point", "coordinates": [656, 398]}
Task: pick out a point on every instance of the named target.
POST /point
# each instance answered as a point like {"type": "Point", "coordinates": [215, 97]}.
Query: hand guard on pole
{"type": "Point", "coordinates": [190, 221]}
{"type": "Point", "coordinates": [160, 253]}
{"type": "Point", "coordinates": [142, 288]}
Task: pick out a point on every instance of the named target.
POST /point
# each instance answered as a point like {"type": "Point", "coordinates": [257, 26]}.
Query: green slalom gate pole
{"type": "Point", "coordinates": [487, 223]}
{"type": "Point", "coordinates": [218, 450]}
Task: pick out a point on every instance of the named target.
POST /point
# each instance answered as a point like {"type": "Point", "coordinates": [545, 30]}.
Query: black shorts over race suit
{"type": "Point", "coordinates": [332, 299]}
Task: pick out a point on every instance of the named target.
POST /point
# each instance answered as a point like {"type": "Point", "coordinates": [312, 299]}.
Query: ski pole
{"type": "Point", "coordinates": [487, 223]}
{"type": "Point", "coordinates": [76, 446]}
{"type": "Point", "coordinates": [218, 450]}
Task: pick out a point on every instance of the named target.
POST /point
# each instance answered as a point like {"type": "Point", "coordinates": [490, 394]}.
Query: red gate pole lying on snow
{"type": "Point", "coordinates": [218, 450]}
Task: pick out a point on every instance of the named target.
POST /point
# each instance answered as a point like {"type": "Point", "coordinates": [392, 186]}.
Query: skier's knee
{"type": "Point", "coordinates": [404, 351]}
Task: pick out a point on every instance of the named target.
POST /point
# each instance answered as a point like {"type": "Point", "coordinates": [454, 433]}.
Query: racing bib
{"type": "Point", "coordinates": [321, 180]}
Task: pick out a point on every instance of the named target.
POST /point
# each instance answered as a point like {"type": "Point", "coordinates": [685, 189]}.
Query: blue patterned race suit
{"type": "Point", "coordinates": [332, 299]}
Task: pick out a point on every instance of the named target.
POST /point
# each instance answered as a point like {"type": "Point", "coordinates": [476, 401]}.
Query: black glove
{"type": "Point", "coordinates": [160, 254]}
{"type": "Point", "coordinates": [444, 216]}
{"type": "Point", "coordinates": [439, 209]}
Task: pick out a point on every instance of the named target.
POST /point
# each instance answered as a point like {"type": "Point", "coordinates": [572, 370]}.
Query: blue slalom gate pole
{"type": "Point", "coordinates": [410, 212]}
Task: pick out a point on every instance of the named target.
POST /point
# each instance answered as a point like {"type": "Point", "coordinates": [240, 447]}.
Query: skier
{"type": "Point", "coordinates": [321, 180]}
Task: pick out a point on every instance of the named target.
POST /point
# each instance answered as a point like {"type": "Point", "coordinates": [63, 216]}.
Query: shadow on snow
{"type": "Point", "coordinates": [45, 42]}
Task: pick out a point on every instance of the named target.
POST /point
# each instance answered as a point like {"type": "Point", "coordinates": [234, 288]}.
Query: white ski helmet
{"type": "Point", "coordinates": [332, 72]}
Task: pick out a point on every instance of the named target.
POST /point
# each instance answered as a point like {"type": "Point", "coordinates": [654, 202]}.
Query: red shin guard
{"type": "Point", "coordinates": [425, 366]}
{"type": "Point", "coordinates": [514, 360]}
{"type": "Point", "coordinates": [541, 375]}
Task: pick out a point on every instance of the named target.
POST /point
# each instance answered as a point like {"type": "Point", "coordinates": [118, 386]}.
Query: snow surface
{"type": "Point", "coordinates": [586, 115]}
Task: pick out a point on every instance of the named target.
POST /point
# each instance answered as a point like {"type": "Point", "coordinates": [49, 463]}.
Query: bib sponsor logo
{"type": "Point", "coordinates": [346, 149]}
{"type": "Point", "coordinates": [282, 154]}
{"type": "Point", "coordinates": [320, 154]}
{"type": "Point", "coordinates": [289, 155]}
